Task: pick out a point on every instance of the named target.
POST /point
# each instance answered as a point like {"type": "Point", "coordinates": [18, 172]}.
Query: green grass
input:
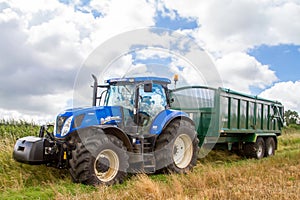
{"type": "Point", "coordinates": [220, 175]}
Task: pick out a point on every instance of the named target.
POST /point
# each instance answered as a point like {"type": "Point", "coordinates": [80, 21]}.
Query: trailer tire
{"type": "Point", "coordinates": [102, 159]}
{"type": "Point", "coordinates": [270, 147]}
{"type": "Point", "coordinates": [177, 148]}
{"type": "Point", "coordinates": [255, 149]}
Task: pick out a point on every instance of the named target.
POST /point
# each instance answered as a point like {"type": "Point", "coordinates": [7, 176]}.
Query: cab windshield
{"type": "Point", "coordinates": [121, 95]}
{"type": "Point", "coordinates": [149, 102]}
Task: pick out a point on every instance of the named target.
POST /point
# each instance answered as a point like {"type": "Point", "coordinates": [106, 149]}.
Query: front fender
{"type": "Point", "coordinates": [163, 119]}
{"type": "Point", "coordinates": [113, 130]}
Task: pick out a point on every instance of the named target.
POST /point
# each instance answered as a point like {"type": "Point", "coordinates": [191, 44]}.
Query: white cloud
{"type": "Point", "coordinates": [46, 42]}
{"type": "Point", "coordinates": [39, 109]}
{"type": "Point", "coordinates": [229, 29]}
{"type": "Point", "coordinates": [151, 53]}
{"type": "Point", "coordinates": [229, 26]}
{"type": "Point", "coordinates": [14, 115]}
{"type": "Point", "coordinates": [240, 71]}
{"type": "Point", "coordinates": [26, 7]}
{"type": "Point", "coordinates": [287, 93]}
{"type": "Point", "coordinates": [187, 73]}
{"type": "Point", "coordinates": [122, 16]}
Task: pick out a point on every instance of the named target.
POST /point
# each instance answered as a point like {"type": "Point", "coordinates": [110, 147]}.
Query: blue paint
{"type": "Point", "coordinates": [114, 114]}
{"type": "Point", "coordinates": [102, 115]}
{"type": "Point", "coordinates": [92, 116]}
{"type": "Point", "coordinates": [134, 80]}
{"type": "Point", "coordinates": [164, 118]}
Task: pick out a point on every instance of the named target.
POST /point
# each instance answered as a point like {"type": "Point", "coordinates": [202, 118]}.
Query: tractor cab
{"type": "Point", "coordinates": [140, 99]}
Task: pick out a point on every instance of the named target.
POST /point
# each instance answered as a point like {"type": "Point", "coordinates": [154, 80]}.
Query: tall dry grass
{"type": "Point", "coordinates": [221, 175]}
{"type": "Point", "coordinates": [273, 178]}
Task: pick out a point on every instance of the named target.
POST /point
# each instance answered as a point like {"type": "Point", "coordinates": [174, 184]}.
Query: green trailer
{"type": "Point", "coordinates": [245, 123]}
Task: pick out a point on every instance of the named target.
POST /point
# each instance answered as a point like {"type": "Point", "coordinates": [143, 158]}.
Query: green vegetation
{"type": "Point", "coordinates": [291, 117]}
{"type": "Point", "coordinates": [17, 129]}
{"type": "Point", "coordinates": [220, 175]}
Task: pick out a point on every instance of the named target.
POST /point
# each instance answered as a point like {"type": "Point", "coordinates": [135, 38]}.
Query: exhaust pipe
{"type": "Point", "coordinates": [95, 87]}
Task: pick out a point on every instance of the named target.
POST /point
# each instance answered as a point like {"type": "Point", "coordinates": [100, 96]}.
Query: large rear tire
{"type": "Point", "coordinates": [100, 159]}
{"type": "Point", "coordinates": [177, 147]}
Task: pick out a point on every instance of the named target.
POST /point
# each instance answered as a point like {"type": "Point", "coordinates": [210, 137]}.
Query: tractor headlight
{"type": "Point", "coordinates": [67, 126]}
{"type": "Point", "coordinates": [60, 121]}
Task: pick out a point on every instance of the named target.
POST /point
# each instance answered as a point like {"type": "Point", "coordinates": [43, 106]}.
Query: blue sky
{"type": "Point", "coordinates": [255, 46]}
{"type": "Point", "coordinates": [174, 23]}
{"type": "Point", "coordinates": [284, 59]}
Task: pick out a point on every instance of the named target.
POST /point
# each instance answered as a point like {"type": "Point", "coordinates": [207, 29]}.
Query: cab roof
{"type": "Point", "coordinates": [133, 80]}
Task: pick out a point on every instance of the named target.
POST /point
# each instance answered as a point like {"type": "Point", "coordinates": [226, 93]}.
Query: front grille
{"type": "Point", "coordinates": [78, 120]}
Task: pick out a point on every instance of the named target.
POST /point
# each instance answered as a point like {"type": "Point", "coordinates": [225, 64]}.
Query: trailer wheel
{"type": "Point", "coordinates": [177, 147]}
{"type": "Point", "coordinates": [270, 147]}
{"type": "Point", "coordinates": [256, 149]}
{"type": "Point", "coordinates": [102, 159]}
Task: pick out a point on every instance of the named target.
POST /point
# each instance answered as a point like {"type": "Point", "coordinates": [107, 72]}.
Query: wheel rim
{"type": "Point", "coordinates": [270, 149]}
{"type": "Point", "coordinates": [260, 150]}
{"type": "Point", "coordinates": [182, 151]}
{"type": "Point", "coordinates": [106, 165]}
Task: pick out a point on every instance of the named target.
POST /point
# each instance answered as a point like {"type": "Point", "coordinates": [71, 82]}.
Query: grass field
{"type": "Point", "coordinates": [220, 175]}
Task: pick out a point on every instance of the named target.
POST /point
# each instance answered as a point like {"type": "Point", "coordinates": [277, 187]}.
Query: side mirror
{"type": "Point", "coordinates": [148, 87]}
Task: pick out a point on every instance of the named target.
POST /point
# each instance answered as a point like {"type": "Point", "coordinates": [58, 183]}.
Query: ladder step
{"type": "Point", "coordinates": [149, 168]}
{"type": "Point", "coordinates": [149, 163]}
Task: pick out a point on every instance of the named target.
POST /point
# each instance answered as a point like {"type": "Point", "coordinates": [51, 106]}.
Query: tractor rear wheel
{"type": "Point", "coordinates": [177, 147]}
{"type": "Point", "coordinates": [101, 159]}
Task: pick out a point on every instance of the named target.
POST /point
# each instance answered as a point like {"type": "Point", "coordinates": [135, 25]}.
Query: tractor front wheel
{"type": "Point", "coordinates": [101, 159]}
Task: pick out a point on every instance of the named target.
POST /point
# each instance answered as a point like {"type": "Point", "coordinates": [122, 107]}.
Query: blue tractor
{"type": "Point", "coordinates": [130, 128]}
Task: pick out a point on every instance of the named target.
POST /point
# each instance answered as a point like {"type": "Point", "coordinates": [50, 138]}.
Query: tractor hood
{"type": "Point", "coordinates": [77, 118]}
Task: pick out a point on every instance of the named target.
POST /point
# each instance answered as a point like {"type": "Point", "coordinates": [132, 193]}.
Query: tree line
{"type": "Point", "coordinates": [291, 117]}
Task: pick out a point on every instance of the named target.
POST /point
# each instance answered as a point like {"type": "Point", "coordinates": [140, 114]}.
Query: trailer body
{"type": "Point", "coordinates": [224, 116]}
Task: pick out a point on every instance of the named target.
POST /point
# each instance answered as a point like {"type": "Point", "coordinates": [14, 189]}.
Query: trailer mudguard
{"type": "Point", "coordinates": [253, 136]}
{"type": "Point", "coordinates": [163, 119]}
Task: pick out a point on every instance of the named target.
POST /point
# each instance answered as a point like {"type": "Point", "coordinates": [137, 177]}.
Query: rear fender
{"type": "Point", "coordinates": [164, 118]}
